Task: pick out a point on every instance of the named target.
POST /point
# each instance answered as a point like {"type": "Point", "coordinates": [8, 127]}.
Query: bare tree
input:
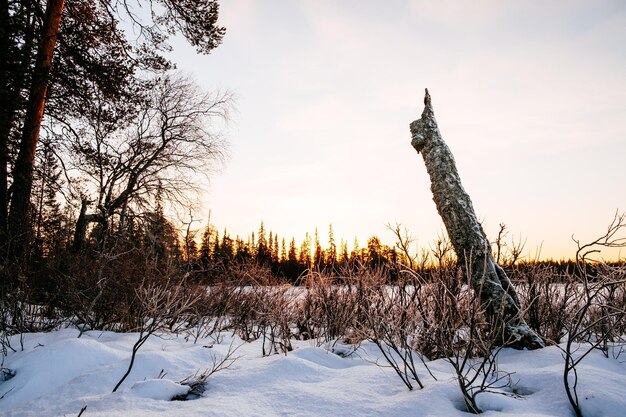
{"type": "Point", "coordinates": [611, 239]}
{"type": "Point", "coordinates": [196, 21]}
{"type": "Point", "coordinates": [174, 138]}
{"type": "Point", "coordinates": [472, 248]}
{"type": "Point", "coordinates": [404, 240]}
{"type": "Point", "coordinates": [600, 315]}
{"type": "Point", "coordinates": [507, 254]}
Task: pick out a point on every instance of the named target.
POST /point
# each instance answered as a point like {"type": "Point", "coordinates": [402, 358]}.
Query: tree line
{"type": "Point", "coordinates": [288, 259]}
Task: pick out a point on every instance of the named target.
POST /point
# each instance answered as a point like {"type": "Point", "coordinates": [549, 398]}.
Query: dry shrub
{"type": "Point", "coordinates": [607, 316]}
{"type": "Point", "coordinates": [262, 311]}
{"type": "Point", "coordinates": [598, 322]}
{"type": "Point", "coordinates": [252, 303]}
{"type": "Point", "coordinates": [549, 299]}
{"type": "Point", "coordinates": [101, 293]}
{"type": "Point", "coordinates": [454, 327]}
{"type": "Point", "coordinates": [210, 315]}
{"type": "Point", "coordinates": [243, 314]}
{"type": "Point", "coordinates": [393, 320]}
{"type": "Point", "coordinates": [332, 308]}
{"type": "Point", "coordinates": [159, 307]}
{"type": "Point", "coordinates": [276, 314]}
{"type": "Point", "coordinates": [249, 273]}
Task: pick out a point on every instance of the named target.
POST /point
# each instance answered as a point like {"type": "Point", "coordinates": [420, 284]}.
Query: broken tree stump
{"type": "Point", "coordinates": [497, 293]}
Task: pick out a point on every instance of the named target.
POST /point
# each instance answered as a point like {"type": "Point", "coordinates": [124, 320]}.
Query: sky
{"type": "Point", "coordinates": [529, 96]}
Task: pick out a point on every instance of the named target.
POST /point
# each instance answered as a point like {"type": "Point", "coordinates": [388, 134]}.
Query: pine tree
{"type": "Point", "coordinates": [217, 259]}
{"type": "Point", "coordinates": [276, 253]}
{"type": "Point", "coordinates": [227, 250]}
{"type": "Point", "coordinates": [374, 251]}
{"type": "Point", "coordinates": [242, 250]}
{"type": "Point", "coordinates": [160, 236]}
{"type": "Point", "coordinates": [344, 256]}
{"type": "Point", "coordinates": [206, 245]}
{"type": "Point", "coordinates": [331, 253]}
{"type": "Point", "coordinates": [263, 255]}
{"type": "Point", "coordinates": [355, 254]}
{"type": "Point", "coordinates": [252, 245]}
{"type": "Point", "coordinates": [283, 251]}
{"type": "Point", "coordinates": [305, 252]}
{"type": "Point", "coordinates": [318, 256]}
{"type": "Point", "coordinates": [270, 246]}
{"type": "Point", "coordinates": [293, 266]}
{"type": "Point", "coordinates": [49, 233]}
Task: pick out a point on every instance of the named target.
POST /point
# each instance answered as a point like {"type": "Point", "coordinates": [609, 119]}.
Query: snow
{"type": "Point", "coordinates": [57, 374]}
{"type": "Point", "coordinates": [159, 389]}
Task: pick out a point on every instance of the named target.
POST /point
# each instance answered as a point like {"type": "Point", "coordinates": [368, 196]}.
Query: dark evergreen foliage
{"type": "Point", "coordinates": [75, 58]}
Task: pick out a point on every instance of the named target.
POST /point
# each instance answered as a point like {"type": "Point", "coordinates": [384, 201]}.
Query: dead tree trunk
{"type": "Point", "coordinates": [473, 251]}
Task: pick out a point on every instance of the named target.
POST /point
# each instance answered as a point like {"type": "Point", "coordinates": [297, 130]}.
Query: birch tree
{"type": "Point", "coordinates": [497, 293]}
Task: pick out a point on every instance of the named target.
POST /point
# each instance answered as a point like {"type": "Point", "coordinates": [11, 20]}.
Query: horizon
{"type": "Point", "coordinates": [527, 255]}
{"type": "Point", "coordinates": [531, 101]}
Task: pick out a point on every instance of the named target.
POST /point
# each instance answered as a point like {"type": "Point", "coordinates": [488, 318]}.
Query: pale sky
{"type": "Point", "coordinates": [529, 95]}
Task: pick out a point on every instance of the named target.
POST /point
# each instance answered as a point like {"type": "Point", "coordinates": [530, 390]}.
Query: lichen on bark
{"type": "Point", "coordinates": [497, 293]}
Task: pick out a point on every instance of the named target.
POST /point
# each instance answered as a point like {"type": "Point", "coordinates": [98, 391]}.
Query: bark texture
{"type": "Point", "coordinates": [470, 243]}
{"type": "Point", "coordinates": [18, 222]}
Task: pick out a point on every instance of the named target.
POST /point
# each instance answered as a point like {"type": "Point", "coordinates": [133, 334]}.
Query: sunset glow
{"type": "Point", "coordinates": [530, 97]}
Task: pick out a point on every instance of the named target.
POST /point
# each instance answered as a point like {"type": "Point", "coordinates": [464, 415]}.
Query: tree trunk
{"type": "Point", "coordinates": [81, 225]}
{"type": "Point", "coordinates": [18, 222]}
{"type": "Point", "coordinates": [473, 251]}
{"type": "Point", "coordinates": [5, 113]}
{"type": "Point", "coordinates": [14, 69]}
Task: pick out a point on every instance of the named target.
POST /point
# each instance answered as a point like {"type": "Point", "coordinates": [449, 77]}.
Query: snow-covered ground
{"type": "Point", "coordinates": [57, 374]}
